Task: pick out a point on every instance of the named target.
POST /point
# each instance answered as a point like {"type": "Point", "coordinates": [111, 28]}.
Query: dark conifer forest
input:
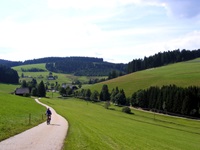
{"type": "Point", "coordinates": [161, 59]}
{"type": "Point", "coordinates": [169, 99]}
{"type": "Point", "coordinates": [8, 75]}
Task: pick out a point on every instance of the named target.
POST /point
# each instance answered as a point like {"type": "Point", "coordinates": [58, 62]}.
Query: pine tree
{"type": "Point", "coordinates": [41, 89]}
{"type": "Point", "coordinates": [104, 95]}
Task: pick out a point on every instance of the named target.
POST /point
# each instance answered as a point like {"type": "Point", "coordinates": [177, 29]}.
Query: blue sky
{"type": "Point", "coordinates": [116, 30]}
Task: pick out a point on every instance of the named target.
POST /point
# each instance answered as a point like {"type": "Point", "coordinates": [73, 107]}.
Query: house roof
{"type": "Point", "coordinates": [19, 91]}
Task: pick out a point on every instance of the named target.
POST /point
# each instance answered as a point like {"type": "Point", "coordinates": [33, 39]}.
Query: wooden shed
{"type": "Point", "coordinates": [22, 91]}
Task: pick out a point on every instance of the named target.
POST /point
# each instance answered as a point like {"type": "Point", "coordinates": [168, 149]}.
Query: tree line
{"type": "Point", "coordinates": [85, 68]}
{"type": "Point", "coordinates": [32, 70]}
{"type": "Point", "coordinates": [169, 99]}
{"type": "Point", "coordinates": [8, 75]}
{"type": "Point", "coordinates": [161, 59]}
{"type": "Point", "coordinates": [116, 96]}
{"type": "Point", "coordinates": [9, 63]}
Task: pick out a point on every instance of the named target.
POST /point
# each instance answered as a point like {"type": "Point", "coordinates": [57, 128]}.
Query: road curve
{"type": "Point", "coordinates": [41, 137]}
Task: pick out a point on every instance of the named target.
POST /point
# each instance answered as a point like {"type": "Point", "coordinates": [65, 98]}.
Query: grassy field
{"type": "Point", "coordinates": [8, 88]}
{"type": "Point", "coordinates": [91, 126]}
{"type": "Point", "coordinates": [15, 110]}
{"type": "Point", "coordinates": [182, 74]}
{"type": "Point", "coordinates": [62, 78]}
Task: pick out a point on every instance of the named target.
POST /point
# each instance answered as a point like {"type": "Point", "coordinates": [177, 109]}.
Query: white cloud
{"type": "Point", "coordinates": [189, 41]}
{"type": "Point", "coordinates": [99, 29]}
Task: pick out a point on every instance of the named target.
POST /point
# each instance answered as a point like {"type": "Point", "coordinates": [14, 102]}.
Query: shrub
{"type": "Point", "coordinates": [126, 109]}
{"type": "Point", "coordinates": [107, 104]}
{"type": "Point", "coordinates": [26, 95]}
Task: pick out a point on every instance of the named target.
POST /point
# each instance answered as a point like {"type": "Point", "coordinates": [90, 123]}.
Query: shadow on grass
{"type": "Point", "coordinates": [111, 108]}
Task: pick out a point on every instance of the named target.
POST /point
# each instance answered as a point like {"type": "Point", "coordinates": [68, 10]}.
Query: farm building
{"type": "Point", "coordinates": [22, 91]}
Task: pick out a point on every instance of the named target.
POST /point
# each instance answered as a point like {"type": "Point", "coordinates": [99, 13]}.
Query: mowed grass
{"type": "Point", "coordinates": [182, 74]}
{"type": "Point", "coordinates": [91, 126]}
{"type": "Point", "coordinates": [14, 112]}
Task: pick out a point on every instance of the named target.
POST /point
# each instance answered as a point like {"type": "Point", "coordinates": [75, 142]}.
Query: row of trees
{"type": "Point", "coordinates": [161, 59]}
{"type": "Point", "coordinates": [8, 75]}
{"type": "Point", "coordinates": [33, 70]}
{"type": "Point", "coordinates": [116, 96]}
{"type": "Point", "coordinates": [114, 74]}
{"type": "Point", "coordinates": [168, 99]}
{"type": "Point", "coordinates": [49, 60]}
{"type": "Point", "coordinates": [36, 89]}
{"type": "Point", "coordinates": [172, 99]}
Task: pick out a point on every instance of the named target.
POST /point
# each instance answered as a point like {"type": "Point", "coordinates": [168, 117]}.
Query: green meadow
{"type": "Point", "coordinates": [17, 113]}
{"type": "Point", "coordinates": [182, 74]}
{"type": "Point", "coordinates": [39, 76]}
{"type": "Point", "coordinates": [91, 126]}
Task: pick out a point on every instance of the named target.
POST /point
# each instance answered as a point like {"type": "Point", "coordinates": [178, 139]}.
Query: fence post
{"type": "Point", "coordinates": [29, 118]}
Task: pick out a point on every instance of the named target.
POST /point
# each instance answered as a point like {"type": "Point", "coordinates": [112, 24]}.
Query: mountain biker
{"type": "Point", "coordinates": [48, 113]}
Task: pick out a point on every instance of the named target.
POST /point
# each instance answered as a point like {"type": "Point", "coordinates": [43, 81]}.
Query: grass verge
{"type": "Point", "coordinates": [18, 114]}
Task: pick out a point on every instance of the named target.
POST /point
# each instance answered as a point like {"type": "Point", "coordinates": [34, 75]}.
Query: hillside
{"type": "Point", "coordinates": [39, 75]}
{"type": "Point", "coordinates": [181, 74]}
{"type": "Point", "coordinates": [79, 66]}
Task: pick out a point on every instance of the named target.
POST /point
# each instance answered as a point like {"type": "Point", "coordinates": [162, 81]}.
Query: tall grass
{"type": "Point", "coordinates": [91, 126]}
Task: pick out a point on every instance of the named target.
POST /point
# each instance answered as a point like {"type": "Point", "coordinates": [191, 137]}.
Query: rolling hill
{"type": "Point", "coordinates": [42, 75]}
{"type": "Point", "coordinates": [80, 66]}
{"type": "Point", "coordinates": [182, 74]}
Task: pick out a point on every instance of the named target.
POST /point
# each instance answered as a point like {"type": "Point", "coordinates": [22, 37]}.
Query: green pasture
{"type": "Point", "coordinates": [17, 113]}
{"type": "Point", "coordinates": [182, 74]}
{"type": "Point", "coordinates": [39, 76]}
{"type": "Point", "coordinates": [91, 126]}
{"type": "Point", "coordinates": [8, 88]}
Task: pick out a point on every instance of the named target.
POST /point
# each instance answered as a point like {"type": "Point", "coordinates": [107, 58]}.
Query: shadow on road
{"type": "Point", "coordinates": [55, 124]}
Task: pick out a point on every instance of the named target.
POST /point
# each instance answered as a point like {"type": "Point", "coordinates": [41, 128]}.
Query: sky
{"type": "Point", "coordinates": [116, 30]}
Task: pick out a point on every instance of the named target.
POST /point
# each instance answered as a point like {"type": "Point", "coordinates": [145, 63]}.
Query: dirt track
{"type": "Point", "coordinates": [41, 137]}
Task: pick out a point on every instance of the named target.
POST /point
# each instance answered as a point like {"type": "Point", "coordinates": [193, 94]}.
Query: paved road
{"type": "Point", "coordinates": [41, 137]}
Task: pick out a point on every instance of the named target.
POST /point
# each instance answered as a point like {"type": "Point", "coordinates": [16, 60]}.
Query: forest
{"type": "Point", "coordinates": [48, 60]}
{"type": "Point", "coordinates": [169, 99]}
{"type": "Point", "coordinates": [8, 75]}
{"type": "Point", "coordinates": [161, 59]}
{"type": "Point", "coordinates": [86, 68]}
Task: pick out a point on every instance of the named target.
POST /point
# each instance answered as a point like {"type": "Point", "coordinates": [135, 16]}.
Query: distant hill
{"type": "Point", "coordinates": [85, 67]}
{"type": "Point", "coordinates": [79, 66]}
{"type": "Point", "coordinates": [92, 66]}
{"type": "Point", "coordinates": [181, 74]}
{"type": "Point", "coordinates": [47, 60]}
{"type": "Point", "coordinates": [9, 63]}
{"type": "Point", "coordinates": [161, 59]}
